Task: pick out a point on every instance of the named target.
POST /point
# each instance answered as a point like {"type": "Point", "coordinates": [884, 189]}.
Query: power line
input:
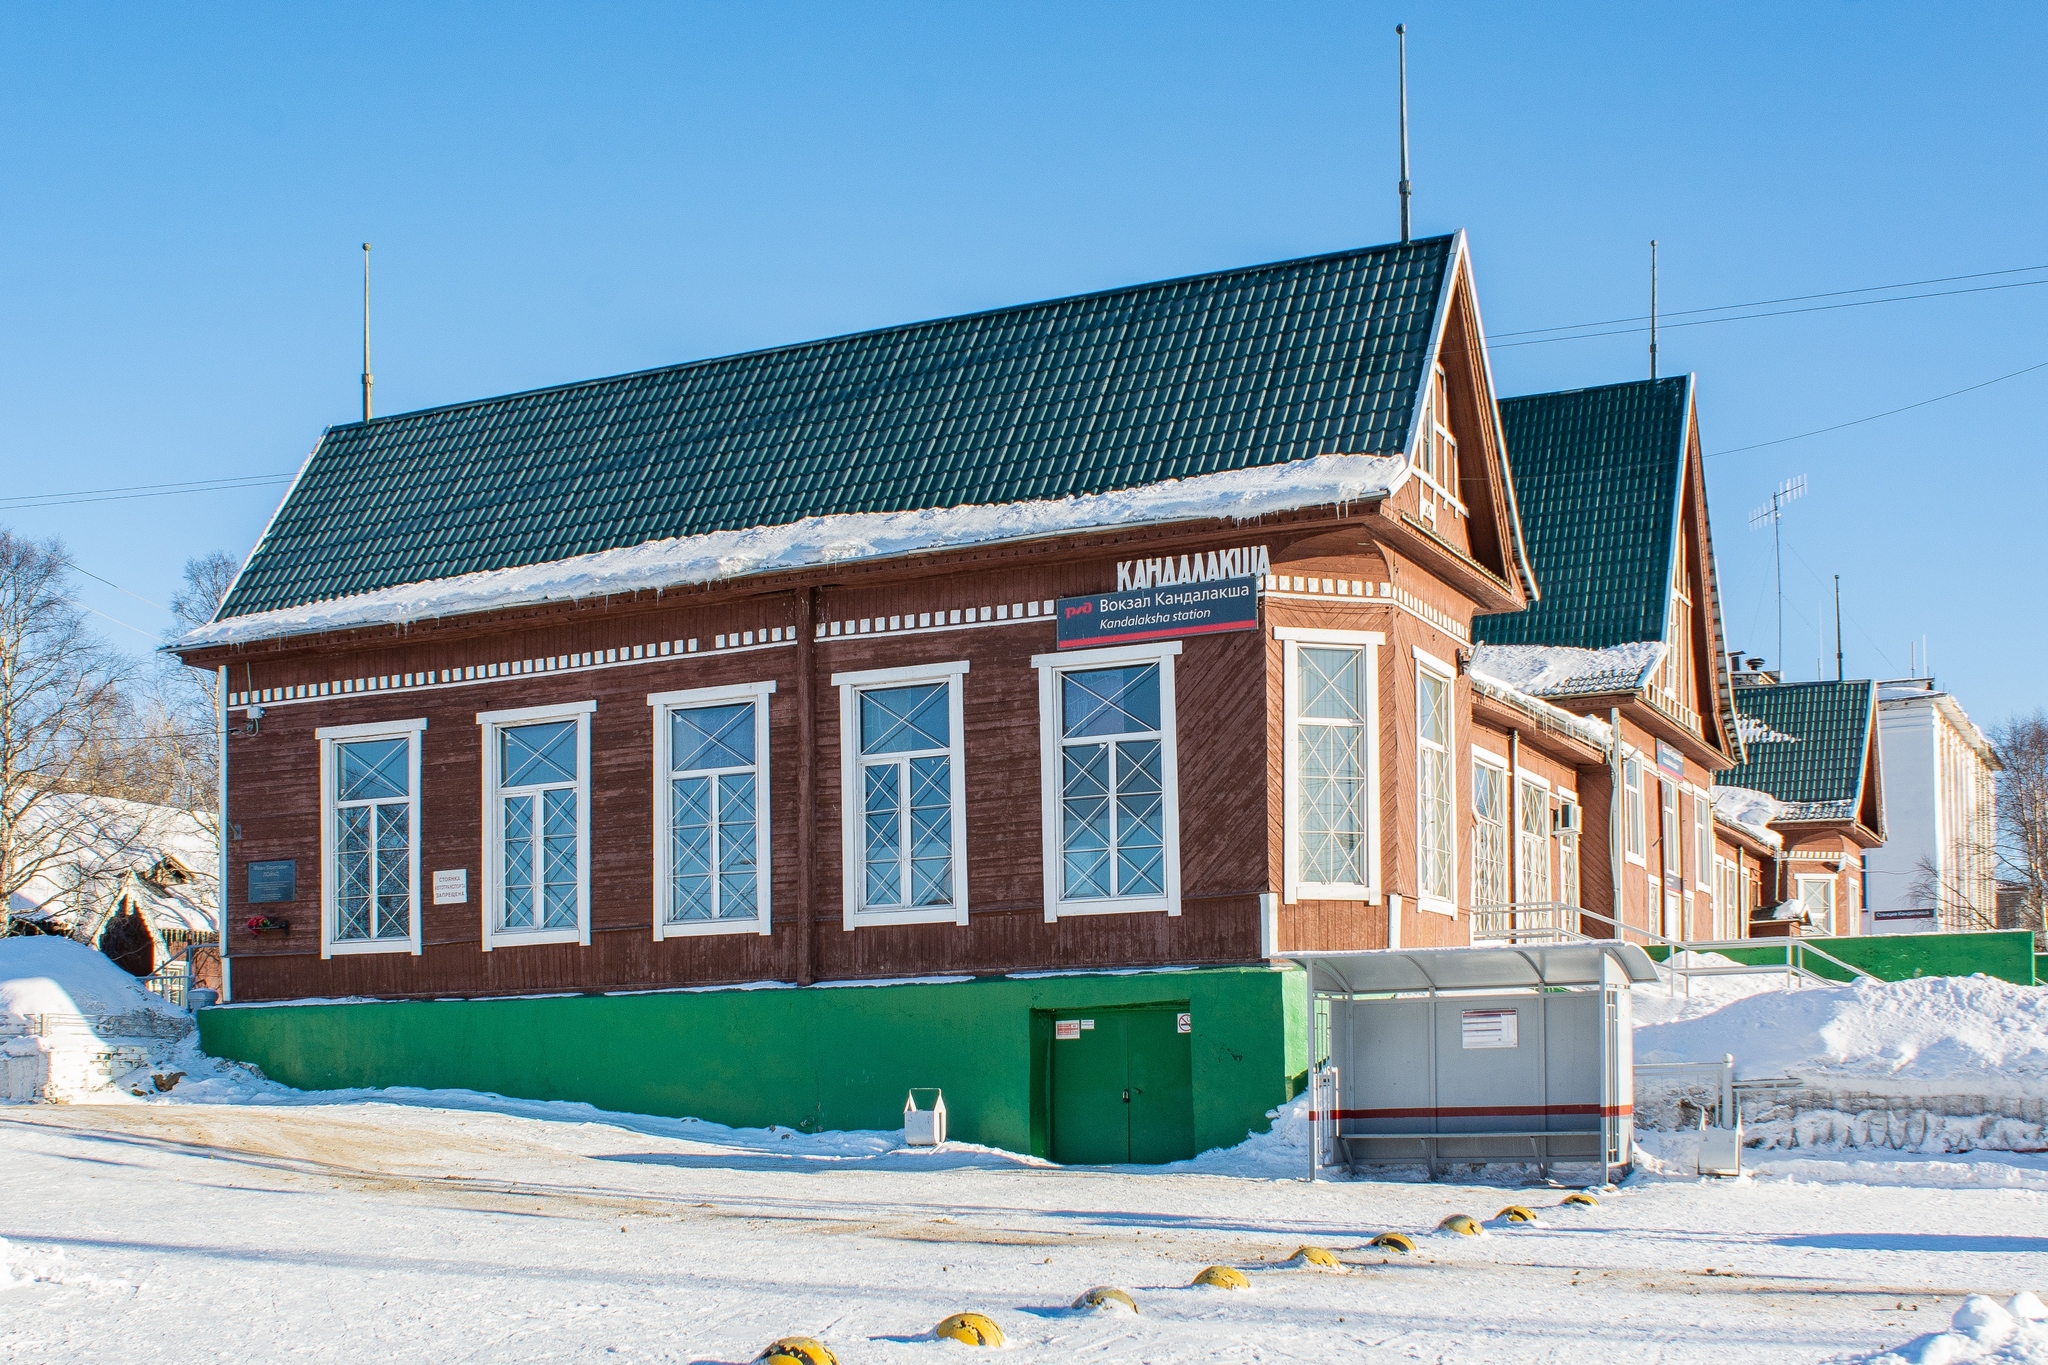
{"type": "Point", "coordinates": [1789, 298]}
{"type": "Point", "coordinates": [1780, 313]}
{"type": "Point", "coordinates": [141, 490]}
{"type": "Point", "coordinates": [1857, 422]}
{"type": "Point", "coordinates": [118, 588]}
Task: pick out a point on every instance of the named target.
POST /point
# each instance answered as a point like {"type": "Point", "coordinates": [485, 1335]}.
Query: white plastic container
{"type": "Point", "coordinates": [924, 1127]}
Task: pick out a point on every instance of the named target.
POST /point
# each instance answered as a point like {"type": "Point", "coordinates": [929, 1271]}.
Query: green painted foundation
{"type": "Point", "coordinates": [2007, 954]}
{"type": "Point", "coordinates": [815, 1058]}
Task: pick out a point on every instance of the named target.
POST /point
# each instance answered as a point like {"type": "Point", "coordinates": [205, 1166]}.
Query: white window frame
{"type": "Point", "coordinates": [329, 736]}
{"type": "Point", "coordinates": [1833, 883]}
{"type": "Point", "coordinates": [1725, 896]}
{"type": "Point", "coordinates": [490, 723]}
{"type": "Point", "coordinates": [1524, 778]}
{"type": "Point", "coordinates": [1050, 667]}
{"type": "Point", "coordinates": [852, 821]}
{"type": "Point", "coordinates": [1703, 840]}
{"type": "Point", "coordinates": [1448, 675]}
{"type": "Point", "coordinates": [1635, 815]}
{"type": "Point", "coordinates": [1293, 888]}
{"type": "Point", "coordinates": [1498, 763]}
{"type": "Point", "coordinates": [664, 705]}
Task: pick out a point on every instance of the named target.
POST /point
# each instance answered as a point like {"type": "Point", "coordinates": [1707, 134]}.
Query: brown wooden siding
{"type": "Point", "coordinates": [1228, 700]}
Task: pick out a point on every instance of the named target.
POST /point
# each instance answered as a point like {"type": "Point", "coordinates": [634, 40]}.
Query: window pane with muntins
{"type": "Point", "coordinates": [907, 811]}
{"type": "Point", "coordinates": [374, 770]}
{"type": "Point", "coordinates": [712, 737]}
{"type": "Point", "coordinates": [1330, 759]}
{"type": "Point", "coordinates": [900, 720]}
{"type": "Point", "coordinates": [1112, 797]}
{"type": "Point", "coordinates": [559, 857]}
{"type": "Point", "coordinates": [537, 755]}
{"type": "Point", "coordinates": [372, 840]}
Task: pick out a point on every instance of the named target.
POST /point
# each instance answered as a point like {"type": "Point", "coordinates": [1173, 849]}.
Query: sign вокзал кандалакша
{"type": "Point", "coordinates": [1161, 613]}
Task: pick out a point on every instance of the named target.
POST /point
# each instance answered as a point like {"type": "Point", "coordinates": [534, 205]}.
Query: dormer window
{"type": "Point", "coordinates": [1437, 451]}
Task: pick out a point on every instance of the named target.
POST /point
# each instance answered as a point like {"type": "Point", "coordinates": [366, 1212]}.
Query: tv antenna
{"type": "Point", "coordinates": [1771, 513]}
{"type": "Point", "coordinates": [1401, 33]}
{"type": "Point", "coordinates": [1653, 308]}
{"type": "Point", "coordinates": [366, 331]}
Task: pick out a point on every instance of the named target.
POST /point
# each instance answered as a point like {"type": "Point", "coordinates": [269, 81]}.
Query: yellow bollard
{"type": "Point", "coordinates": [1515, 1213]}
{"type": "Point", "coordinates": [1223, 1277]}
{"type": "Point", "coordinates": [1462, 1224]}
{"type": "Point", "coordinates": [797, 1351]}
{"type": "Point", "coordinates": [1106, 1296]}
{"type": "Point", "coordinates": [1582, 1198]}
{"type": "Point", "coordinates": [1317, 1257]}
{"type": "Point", "coordinates": [1393, 1241]}
{"type": "Point", "coordinates": [972, 1328]}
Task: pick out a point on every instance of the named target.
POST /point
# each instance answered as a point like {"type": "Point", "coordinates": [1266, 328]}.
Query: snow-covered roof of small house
{"type": "Point", "coordinates": [161, 858]}
{"type": "Point", "coordinates": [1245, 391]}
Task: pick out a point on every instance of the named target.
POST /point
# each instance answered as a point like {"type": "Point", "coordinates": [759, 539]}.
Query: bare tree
{"type": "Point", "coordinates": [2022, 746]}
{"type": "Point", "coordinates": [60, 709]}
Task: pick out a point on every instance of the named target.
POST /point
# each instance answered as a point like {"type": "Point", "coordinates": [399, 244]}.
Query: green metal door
{"type": "Point", "coordinates": [1122, 1088]}
{"type": "Point", "coordinates": [1162, 1086]}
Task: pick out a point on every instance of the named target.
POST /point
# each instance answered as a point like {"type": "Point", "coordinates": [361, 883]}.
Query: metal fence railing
{"type": "Point", "coordinates": [1527, 922]}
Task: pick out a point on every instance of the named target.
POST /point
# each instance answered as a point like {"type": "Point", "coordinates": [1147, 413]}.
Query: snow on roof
{"type": "Point", "coordinates": [1565, 671]}
{"type": "Point", "coordinates": [104, 841]}
{"type": "Point", "coordinates": [1751, 812]}
{"type": "Point", "coordinates": [1240, 495]}
{"type": "Point", "coordinates": [1754, 731]}
{"type": "Point", "coordinates": [1597, 733]}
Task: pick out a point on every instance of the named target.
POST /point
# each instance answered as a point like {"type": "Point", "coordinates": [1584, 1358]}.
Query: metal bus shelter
{"type": "Point", "coordinates": [1438, 1056]}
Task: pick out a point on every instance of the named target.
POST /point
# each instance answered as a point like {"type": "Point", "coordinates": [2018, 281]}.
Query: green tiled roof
{"type": "Point", "coordinates": [1113, 390]}
{"type": "Point", "coordinates": [1807, 744]}
{"type": "Point", "coordinates": [1597, 479]}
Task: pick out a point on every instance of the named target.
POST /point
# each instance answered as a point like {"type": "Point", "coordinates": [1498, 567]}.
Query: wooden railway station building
{"type": "Point", "coordinates": [1048, 670]}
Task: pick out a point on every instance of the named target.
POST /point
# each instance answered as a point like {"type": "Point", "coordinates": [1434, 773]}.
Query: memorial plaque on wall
{"type": "Point", "coordinates": [273, 881]}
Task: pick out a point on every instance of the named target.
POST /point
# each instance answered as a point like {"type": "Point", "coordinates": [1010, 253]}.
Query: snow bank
{"type": "Point", "coordinates": [72, 1024]}
{"type": "Point", "coordinates": [1982, 1329]}
{"type": "Point", "coordinates": [42, 975]}
{"type": "Point", "coordinates": [1938, 1035]}
{"type": "Point", "coordinates": [1562, 671]}
{"type": "Point", "coordinates": [657, 564]}
{"type": "Point", "coordinates": [1280, 1153]}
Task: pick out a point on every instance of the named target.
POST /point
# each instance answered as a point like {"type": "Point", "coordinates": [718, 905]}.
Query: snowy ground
{"type": "Point", "coordinates": [230, 1218]}
{"type": "Point", "coordinates": [466, 1229]}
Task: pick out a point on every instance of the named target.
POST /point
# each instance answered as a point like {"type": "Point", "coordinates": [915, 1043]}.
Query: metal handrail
{"type": "Point", "coordinates": [1499, 923]}
{"type": "Point", "coordinates": [1793, 947]}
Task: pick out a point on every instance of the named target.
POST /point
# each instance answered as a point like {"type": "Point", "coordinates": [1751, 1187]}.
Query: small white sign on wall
{"type": "Point", "coordinates": [1492, 1028]}
{"type": "Point", "coordinates": [452, 887]}
{"type": "Point", "coordinates": [1066, 1029]}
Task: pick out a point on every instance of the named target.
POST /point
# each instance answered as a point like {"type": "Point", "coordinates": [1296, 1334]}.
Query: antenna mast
{"type": "Point", "coordinates": [1401, 32]}
{"type": "Point", "coordinates": [1773, 512]}
{"type": "Point", "coordinates": [366, 332]}
{"type": "Point", "coordinates": [1653, 308]}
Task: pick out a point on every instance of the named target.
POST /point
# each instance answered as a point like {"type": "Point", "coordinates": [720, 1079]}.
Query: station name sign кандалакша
{"type": "Point", "coordinates": [1159, 599]}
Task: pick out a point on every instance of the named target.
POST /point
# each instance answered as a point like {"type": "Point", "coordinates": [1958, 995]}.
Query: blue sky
{"type": "Point", "coordinates": [556, 193]}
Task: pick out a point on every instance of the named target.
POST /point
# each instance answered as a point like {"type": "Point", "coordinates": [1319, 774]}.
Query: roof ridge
{"type": "Point", "coordinates": [1603, 388]}
{"type": "Point", "coordinates": [791, 347]}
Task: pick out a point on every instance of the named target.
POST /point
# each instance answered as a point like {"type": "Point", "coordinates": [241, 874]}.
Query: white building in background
{"type": "Point", "coordinates": [1937, 869]}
